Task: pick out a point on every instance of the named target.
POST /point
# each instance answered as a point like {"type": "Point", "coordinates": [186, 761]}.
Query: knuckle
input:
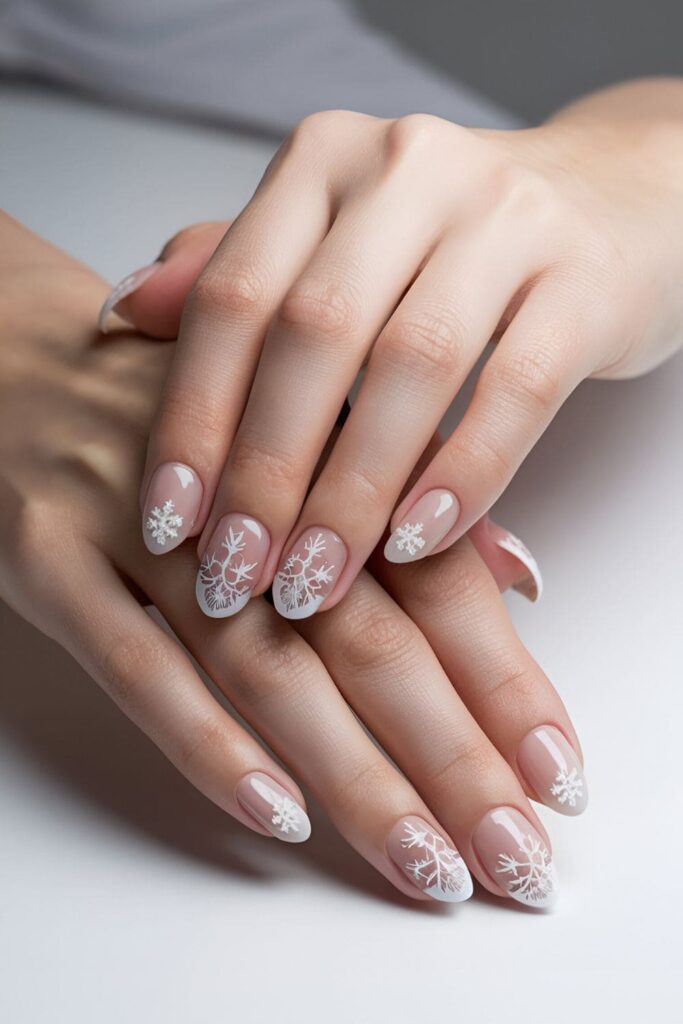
{"type": "Point", "coordinates": [200, 745]}
{"type": "Point", "coordinates": [348, 796]}
{"type": "Point", "coordinates": [371, 494]}
{"type": "Point", "coordinates": [127, 663]}
{"type": "Point", "coordinates": [272, 664]}
{"type": "Point", "coordinates": [429, 344]}
{"type": "Point", "coordinates": [481, 452]}
{"type": "Point", "coordinates": [513, 687]}
{"type": "Point", "coordinates": [455, 579]}
{"type": "Point", "coordinates": [531, 379]}
{"type": "Point", "coordinates": [321, 127]}
{"type": "Point", "coordinates": [472, 762]}
{"type": "Point", "coordinates": [233, 293]}
{"type": "Point", "coordinates": [276, 469]}
{"type": "Point", "coordinates": [183, 415]}
{"type": "Point", "coordinates": [320, 308]}
{"type": "Point", "coordinates": [412, 134]}
{"type": "Point", "coordinates": [375, 637]}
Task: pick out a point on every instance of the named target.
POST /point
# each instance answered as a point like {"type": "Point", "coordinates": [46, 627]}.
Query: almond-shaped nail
{"type": "Point", "coordinates": [423, 527]}
{"type": "Point", "coordinates": [231, 566]}
{"type": "Point", "coordinates": [171, 506]}
{"type": "Point", "coordinates": [123, 289]}
{"type": "Point", "coordinates": [516, 857]}
{"type": "Point", "coordinates": [308, 573]}
{"type": "Point", "coordinates": [530, 585]}
{"type": "Point", "coordinates": [430, 861]}
{"type": "Point", "coordinates": [273, 807]}
{"type": "Point", "coordinates": [552, 768]}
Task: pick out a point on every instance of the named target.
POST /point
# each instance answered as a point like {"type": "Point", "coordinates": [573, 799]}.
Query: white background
{"type": "Point", "coordinates": [126, 896]}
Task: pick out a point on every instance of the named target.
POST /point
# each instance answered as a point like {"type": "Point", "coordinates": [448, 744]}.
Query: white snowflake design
{"type": "Point", "coordinates": [224, 584]}
{"type": "Point", "coordinates": [164, 523]}
{"type": "Point", "coordinates": [301, 579]}
{"type": "Point", "coordinates": [439, 869]}
{"type": "Point", "coordinates": [568, 787]}
{"type": "Point", "coordinates": [408, 538]}
{"type": "Point", "coordinates": [286, 814]}
{"type": "Point", "coordinates": [531, 879]}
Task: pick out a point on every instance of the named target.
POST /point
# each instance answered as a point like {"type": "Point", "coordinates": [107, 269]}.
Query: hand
{"type": "Point", "coordinates": [74, 413]}
{"type": "Point", "coordinates": [414, 242]}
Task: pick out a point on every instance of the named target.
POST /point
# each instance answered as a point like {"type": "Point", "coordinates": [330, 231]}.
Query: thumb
{"type": "Point", "coordinates": [152, 298]}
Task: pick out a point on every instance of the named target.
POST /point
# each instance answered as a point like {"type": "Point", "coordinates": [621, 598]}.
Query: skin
{"type": "Point", "coordinates": [409, 244]}
{"type": "Point", "coordinates": [75, 411]}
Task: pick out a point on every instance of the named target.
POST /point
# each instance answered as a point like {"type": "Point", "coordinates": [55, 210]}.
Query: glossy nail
{"type": "Point", "coordinates": [530, 585]}
{"type": "Point", "coordinates": [516, 857]}
{"type": "Point", "coordinates": [232, 565]}
{"type": "Point", "coordinates": [431, 863]}
{"type": "Point", "coordinates": [171, 506]}
{"type": "Point", "coordinates": [273, 807]}
{"type": "Point", "coordinates": [424, 527]}
{"type": "Point", "coordinates": [552, 768]}
{"type": "Point", "coordinates": [308, 573]}
{"type": "Point", "coordinates": [122, 290]}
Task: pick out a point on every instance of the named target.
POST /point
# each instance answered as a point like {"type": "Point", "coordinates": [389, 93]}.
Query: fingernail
{"type": "Point", "coordinates": [273, 807]}
{"type": "Point", "coordinates": [123, 289]}
{"type": "Point", "coordinates": [308, 573]}
{"type": "Point", "coordinates": [171, 507]}
{"type": "Point", "coordinates": [424, 526]}
{"type": "Point", "coordinates": [516, 857]}
{"type": "Point", "coordinates": [552, 768]}
{"type": "Point", "coordinates": [431, 863]}
{"type": "Point", "coordinates": [231, 566]}
{"type": "Point", "coordinates": [531, 584]}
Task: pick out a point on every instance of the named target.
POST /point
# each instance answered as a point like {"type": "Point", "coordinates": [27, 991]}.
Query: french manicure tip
{"type": "Point", "coordinates": [122, 290]}
{"type": "Point", "coordinates": [531, 585]}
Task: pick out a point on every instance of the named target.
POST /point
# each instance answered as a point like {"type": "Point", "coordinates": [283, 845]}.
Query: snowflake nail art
{"type": "Point", "coordinates": [231, 566]}
{"type": "Point", "coordinates": [436, 868]}
{"type": "Point", "coordinates": [568, 787]}
{"type": "Point", "coordinates": [426, 525]}
{"type": "Point", "coordinates": [529, 877]}
{"type": "Point", "coordinates": [163, 523]}
{"type": "Point", "coordinates": [408, 538]}
{"type": "Point", "coordinates": [273, 806]}
{"type": "Point", "coordinates": [308, 574]}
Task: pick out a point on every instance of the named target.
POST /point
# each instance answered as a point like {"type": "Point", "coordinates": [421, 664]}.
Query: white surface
{"type": "Point", "coordinates": [125, 896]}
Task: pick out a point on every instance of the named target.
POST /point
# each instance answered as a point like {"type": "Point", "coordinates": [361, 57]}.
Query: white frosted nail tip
{"type": "Point", "coordinates": [531, 585]}
{"type": "Point", "coordinates": [275, 808]}
{"type": "Point", "coordinates": [424, 527]}
{"type": "Point", "coordinates": [122, 290]}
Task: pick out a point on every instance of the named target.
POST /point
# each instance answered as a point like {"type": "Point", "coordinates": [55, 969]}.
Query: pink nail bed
{"type": "Point", "coordinates": [429, 860]}
{"type": "Point", "coordinates": [171, 507]}
{"type": "Point", "coordinates": [308, 573]}
{"type": "Point", "coordinates": [552, 768]}
{"type": "Point", "coordinates": [231, 566]}
{"type": "Point", "coordinates": [273, 807]}
{"type": "Point", "coordinates": [516, 857]}
{"type": "Point", "coordinates": [424, 527]}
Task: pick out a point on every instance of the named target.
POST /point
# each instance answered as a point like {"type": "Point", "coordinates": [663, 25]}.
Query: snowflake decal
{"type": "Point", "coordinates": [302, 577]}
{"type": "Point", "coordinates": [437, 865]}
{"type": "Point", "coordinates": [286, 814]}
{"type": "Point", "coordinates": [227, 580]}
{"type": "Point", "coordinates": [408, 538]}
{"type": "Point", "coordinates": [568, 787]}
{"type": "Point", "coordinates": [529, 879]}
{"type": "Point", "coordinates": [164, 523]}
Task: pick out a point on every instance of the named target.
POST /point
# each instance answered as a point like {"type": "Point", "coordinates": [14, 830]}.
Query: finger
{"type": "Point", "coordinates": [456, 605]}
{"type": "Point", "coordinates": [152, 680]}
{"type": "Point", "coordinates": [420, 361]}
{"type": "Point", "coordinates": [152, 298]}
{"type": "Point", "coordinates": [281, 688]}
{"type": "Point", "coordinates": [542, 356]}
{"type": "Point", "coordinates": [507, 558]}
{"type": "Point", "coordinates": [393, 680]}
{"type": "Point", "coordinates": [221, 334]}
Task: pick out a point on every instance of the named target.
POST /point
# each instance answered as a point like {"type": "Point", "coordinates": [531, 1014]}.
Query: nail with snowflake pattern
{"type": "Point", "coordinates": [231, 566]}
{"type": "Point", "coordinates": [430, 861]}
{"type": "Point", "coordinates": [552, 768]}
{"type": "Point", "coordinates": [171, 507]}
{"type": "Point", "coordinates": [308, 573]}
{"type": "Point", "coordinates": [122, 290]}
{"type": "Point", "coordinates": [273, 807]}
{"type": "Point", "coordinates": [516, 858]}
{"type": "Point", "coordinates": [423, 527]}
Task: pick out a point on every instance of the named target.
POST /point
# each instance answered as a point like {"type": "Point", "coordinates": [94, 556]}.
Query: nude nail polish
{"type": "Point", "coordinates": [231, 566]}
{"type": "Point", "coordinates": [423, 527]}
{"type": "Point", "coordinates": [123, 289]}
{"type": "Point", "coordinates": [171, 507]}
{"type": "Point", "coordinates": [516, 857]}
{"type": "Point", "coordinates": [552, 768]}
{"type": "Point", "coordinates": [308, 573]}
{"type": "Point", "coordinates": [273, 807]}
{"type": "Point", "coordinates": [430, 861]}
{"type": "Point", "coordinates": [530, 585]}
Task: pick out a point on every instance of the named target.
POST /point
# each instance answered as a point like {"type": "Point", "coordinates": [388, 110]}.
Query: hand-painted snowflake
{"type": "Point", "coordinates": [286, 814]}
{"type": "Point", "coordinates": [225, 584]}
{"type": "Point", "coordinates": [441, 867]}
{"type": "Point", "coordinates": [530, 880]}
{"type": "Point", "coordinates": [164, 523]}
{"type": "Point", "coordinates": [568, 787]}
{"type": "Point", "coordinates": [302, 577]}
{"type": "Point", "coordinates": [408, 538]}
